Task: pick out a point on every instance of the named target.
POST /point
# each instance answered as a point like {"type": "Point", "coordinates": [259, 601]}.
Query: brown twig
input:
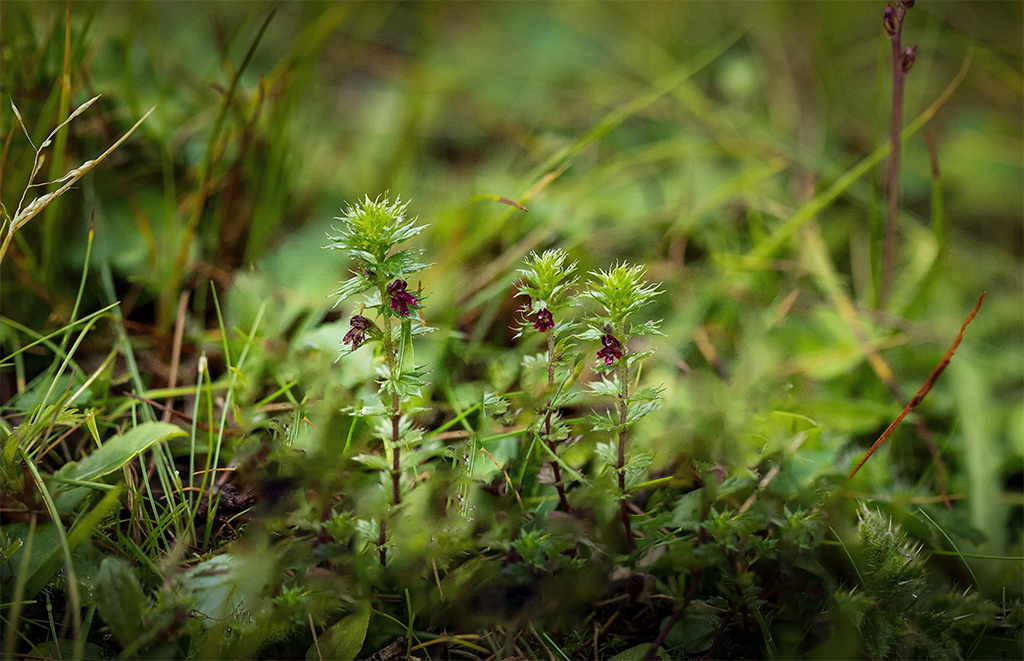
{"type": "Point", "coordinates": [925, 389]}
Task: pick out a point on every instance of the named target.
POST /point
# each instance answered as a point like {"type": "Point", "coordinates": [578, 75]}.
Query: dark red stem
{"type": "Point", "coordinates": [898, 76]}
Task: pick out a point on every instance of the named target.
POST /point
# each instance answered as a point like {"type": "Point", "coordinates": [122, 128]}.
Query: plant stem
{"type": "Point", "coordinates": [677, 614]}
{"type": "Point", "coordinates": [396, 474]}
{"type": "Point", "coordinates": [547, 425]}
{"type": "Point", "coordinates": [898, 76]}
{"type": "Point", "coordinates": [623, 409]}
{"type": "Point", "coordinates": [396, 416]}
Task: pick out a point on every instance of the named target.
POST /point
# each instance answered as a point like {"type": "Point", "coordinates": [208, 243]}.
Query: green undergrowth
{"type": "Point", "coordinates": [601, 341]}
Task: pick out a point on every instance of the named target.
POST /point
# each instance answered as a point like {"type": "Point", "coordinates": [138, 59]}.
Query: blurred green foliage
{"type": "Point", "coordinates": [679, 135]}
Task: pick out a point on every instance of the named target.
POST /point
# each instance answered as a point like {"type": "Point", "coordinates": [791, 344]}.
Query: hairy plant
{"type": "Point", "coordinates": [547, 282]}
{"type": "Point", "coordinates": [621, 292]}
{"type": "Point", "coordinates": [370, 234]}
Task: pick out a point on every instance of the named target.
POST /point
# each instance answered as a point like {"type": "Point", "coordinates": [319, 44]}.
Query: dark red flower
{"type": "Point", "coordinates": [545, 321]}
{"type": "Point", "coordinates": [612, 350]}
{"type": "Point", "coordinates": [357, 335]}
{"type": "Point", "coordinates": [401, 299]}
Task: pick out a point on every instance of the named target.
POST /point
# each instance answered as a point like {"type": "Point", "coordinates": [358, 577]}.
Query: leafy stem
{"type": "Point", "coordinates": [548, 411]}
{"type": "Point", "coordinates": [396, 415]}
{"type": "Point", "coordinates": [370, 234]}
{"type": "Point", "coordinates": [623, 404]}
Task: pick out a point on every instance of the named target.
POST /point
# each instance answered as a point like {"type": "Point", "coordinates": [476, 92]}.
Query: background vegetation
{"type": "Point", "coordinates": [727, 146]}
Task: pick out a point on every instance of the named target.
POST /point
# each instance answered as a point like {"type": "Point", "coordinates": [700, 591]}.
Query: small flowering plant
{"type": "Point", "coordinates": [370, 234]}
{"type": "Point", "coordinates": [621, 292]}
{"type": "Point", "coordinates": [547, 283]}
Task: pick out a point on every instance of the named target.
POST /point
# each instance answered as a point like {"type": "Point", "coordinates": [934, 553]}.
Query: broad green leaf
{"type": "Point", "coordinates": [119, 600]}
{"type": "Point", "coordinates": [694, 632]}
{"type": "Point", "coordinates": [461, 583]}
{"type": "Point", "coordinates": [343, 640]}
{"type": "Point", "coordinates": [118, 451]}
{"type": "Point", "coordinates": [46, 559]}
{"type": "Point", "coordinates": [633, 653]}
{"type": "Point", "coordinates": [108, 458]}
{"type": "Point", "coordinates": [224, 585]}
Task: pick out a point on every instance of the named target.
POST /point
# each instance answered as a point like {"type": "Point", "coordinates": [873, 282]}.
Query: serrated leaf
{"type": "Point", "coordinates": [639, 411]}
{"type": "Point", "coordinates": [639, 461]}
{"type": "Point", "coordinates": [605, 387]}
{"type": "Point", "coordinates": [604, 422]}
{"type": "Point", "coordinates": [494, 404]}
{"type": "Point", "coordinates": [354, 285]}
{"type": "Point", "coordinates": [647, 394]}
{"type": "Point", "coordinates": [608, 453]}
{"type": "Point", "coordinates": [686, 512]}
{"type": "Point", "coordinates": [592, 333]}
{"type": "Point", "coordinates": [539, 360]}
{"type": "Point", "coordinates": [636, 357]}
{"type": "Point", "coordinates": [374, 461]}
{"type": "Point", "coordinates": [646, 328]}
{"type": "Point", "coordinates": [119, 600]}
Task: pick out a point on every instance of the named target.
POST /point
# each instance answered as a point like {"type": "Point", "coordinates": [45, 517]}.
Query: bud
{"type": "Point", "coordinates": [907, 4]}
{"type": "Point", "coordinates": [907, 60]}
{"type": "Point", "coordinates": [889, 21]}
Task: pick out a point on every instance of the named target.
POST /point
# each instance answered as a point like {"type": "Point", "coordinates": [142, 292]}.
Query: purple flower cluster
{"type": "Point", "coordinates": [545, 321]}
{"type": "Point", "coordinates": [612, 350]}
{"type": "Point", "coordinates": [401, 299]}
{"type": "Point", "coordinates": [357, 335]}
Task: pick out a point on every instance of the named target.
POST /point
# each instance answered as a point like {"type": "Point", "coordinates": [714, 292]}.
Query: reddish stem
{"type": "Point", "coordinates": [898, 76]}
{"type": "Point", "coordinates": [623, 409]}
{"type": "Point", "coordinates": [925, 389]}
{"type": "Point", "coordinates": [556, 470]}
